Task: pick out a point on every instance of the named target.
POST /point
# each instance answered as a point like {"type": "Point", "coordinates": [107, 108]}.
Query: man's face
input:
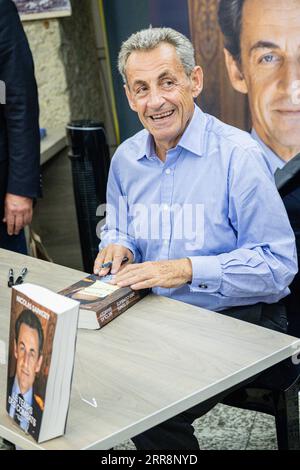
{"type": "Point", "coordinates": [27, 355]}
{"type": "Point", "coordinates": [159, 90]}
{"type": "Point", "coordinates": [270, 46]}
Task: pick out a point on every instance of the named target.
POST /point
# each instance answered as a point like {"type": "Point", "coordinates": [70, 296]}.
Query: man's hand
{"type": "Point", "coordinates": [168, 274]}
{"type": "Point", "coordinates": [17, 213]}
{"type": "Point", "coordinates": [115, 254]}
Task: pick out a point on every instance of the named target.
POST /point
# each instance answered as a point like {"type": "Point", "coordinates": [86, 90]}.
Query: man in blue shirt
{"type": "Point", "coordinates": [192, 204]}
{"type": "Point", "coordinates": [190, 198]}
{"type": "Point", "coordinates": [262, 52]}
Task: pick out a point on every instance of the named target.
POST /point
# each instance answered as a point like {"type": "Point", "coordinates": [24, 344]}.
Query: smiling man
{"type": "Point", "coordinates": [262, 51]}
{"type": "Point", "coordinates": [24, 405]}
{"type": "Point", "coordinates": [192, 204]}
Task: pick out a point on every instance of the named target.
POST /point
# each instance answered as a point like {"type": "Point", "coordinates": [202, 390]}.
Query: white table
{"type": "Point", "coordinates": [157, 359]}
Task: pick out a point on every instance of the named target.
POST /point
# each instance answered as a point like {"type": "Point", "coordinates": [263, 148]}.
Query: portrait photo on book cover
{"type": "Point", "coordinates": [30, 348]}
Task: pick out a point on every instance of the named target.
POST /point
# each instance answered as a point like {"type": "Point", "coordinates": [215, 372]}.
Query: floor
{"type": "Point", "coordinates": [226, 428]}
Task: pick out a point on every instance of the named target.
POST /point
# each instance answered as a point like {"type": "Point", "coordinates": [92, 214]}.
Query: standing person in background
{"type": "Point", "coordinates": [262, 53]}
{"type": "Point", "coordinates": [19, 131]}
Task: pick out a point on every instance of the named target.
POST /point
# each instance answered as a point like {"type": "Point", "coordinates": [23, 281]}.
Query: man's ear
{"type": "Point", "coordinates": [129, 98]}
{"type": "Point", "coordinates": [197, 81]}
{"type": "Point", "coordinates": [235, 74]}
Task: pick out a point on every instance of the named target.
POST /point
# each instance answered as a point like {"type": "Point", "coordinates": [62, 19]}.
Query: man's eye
{"type": "Point", "coordinates": [269, 59]}
{"type": "Point", "coordinates": [168, 83]}
{"type": "Point", "coordinates": [141, 90]}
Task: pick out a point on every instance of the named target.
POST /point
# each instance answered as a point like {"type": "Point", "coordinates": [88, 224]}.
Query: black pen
{"type": "Point", "coordinates": [10, 278]}
{"type": "Point", "coordinates": [109, 263]}
{"type": "Point", "coordinates": [20, 279]}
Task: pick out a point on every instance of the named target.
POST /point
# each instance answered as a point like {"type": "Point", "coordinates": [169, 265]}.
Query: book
{"type": "Point", "coordinates": [101, 302]}
{"type": "Point", "coordinates": [42, 341]}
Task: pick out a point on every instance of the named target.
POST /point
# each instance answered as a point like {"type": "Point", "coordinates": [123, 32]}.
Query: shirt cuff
{"type": "Point", "coordinates": [207, 274]}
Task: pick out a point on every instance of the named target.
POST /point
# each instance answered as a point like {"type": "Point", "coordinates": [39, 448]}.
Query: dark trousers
{"type": "Point", "coordinates": [177, 433]}
{"type": "Point", "coordinates": [15, 243]}
{"type": "Point", "coordinates": [174, 434]}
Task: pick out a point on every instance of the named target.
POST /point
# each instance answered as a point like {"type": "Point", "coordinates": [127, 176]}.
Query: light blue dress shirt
{"type": "Point", "coordinates": [213, 200]}
{"type": "Point", "coordinates": [273, 161]}
{"type": "Point", "coordinates": [28, 397]}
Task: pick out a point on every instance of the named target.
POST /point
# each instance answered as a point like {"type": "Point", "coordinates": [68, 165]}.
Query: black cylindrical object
{"type": "Point", "coordinates": [89, 155]}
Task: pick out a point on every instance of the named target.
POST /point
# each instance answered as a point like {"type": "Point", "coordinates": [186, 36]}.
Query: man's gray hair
{"type": "Point", "coordinates": [148, 39]}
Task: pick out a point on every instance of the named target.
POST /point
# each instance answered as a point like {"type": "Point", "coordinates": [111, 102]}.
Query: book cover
{"type": "Point", "coordinates": [101, 302]}
{"type": "Point", "coordinates": [39, 322]}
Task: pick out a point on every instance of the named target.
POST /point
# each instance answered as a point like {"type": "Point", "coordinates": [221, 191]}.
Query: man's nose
{"type": "Point", "coordinates": [290, 75]}
{"type": "Point", "coordinates": [155, 99]}
{"type": "Point", "coordinates": [26, 359]}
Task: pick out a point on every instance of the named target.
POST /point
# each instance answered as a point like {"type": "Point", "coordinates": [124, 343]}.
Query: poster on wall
{"type": "Point", "coordinates": [43, 9]}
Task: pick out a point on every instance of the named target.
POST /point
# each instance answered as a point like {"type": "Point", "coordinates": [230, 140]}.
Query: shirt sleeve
{"type": "Point", "coordinates": [115, 229]}
{"type": "Point", "coordinates": [265, 260]}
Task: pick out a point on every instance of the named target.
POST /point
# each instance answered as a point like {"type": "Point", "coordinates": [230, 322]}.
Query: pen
{"type": "Point", "coordinates": [10, 278]}
{"type": "Point", "coordinates": [20, 279]}
{"type": "Point", "coordinates": [109, 263]}
{"type": "Point", "coordinates": [106, 265]}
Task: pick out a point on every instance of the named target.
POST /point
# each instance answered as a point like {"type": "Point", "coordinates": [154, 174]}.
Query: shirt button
{"type": "Point", "coordinates": [166, 207]}
{"type": "Point", "coordinates": [168, 171]}
{"type": "Point", "coordinates": [166, 242]}
{"type": "Point", "coordinates": [203, 286]}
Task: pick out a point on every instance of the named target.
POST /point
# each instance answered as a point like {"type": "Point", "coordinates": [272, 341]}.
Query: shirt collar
{"type": "Point", "coordinates": [148, 149]}
{"type": "Point", "coordinates": [191, 140]}
{"type": "Point", "coordinates": [193, 137]}
{"type": "Point", "coordinates": [273, 160]}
